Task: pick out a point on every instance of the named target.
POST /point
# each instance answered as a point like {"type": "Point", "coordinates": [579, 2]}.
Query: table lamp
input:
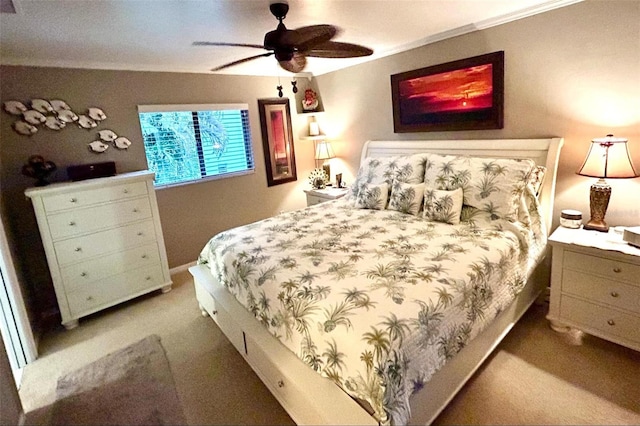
{"type": "Point", "coordinates": [608, 157]}
{"type": "Point", "coordinates": [324, 152]}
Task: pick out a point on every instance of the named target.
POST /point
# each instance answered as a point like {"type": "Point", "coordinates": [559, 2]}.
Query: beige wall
{"type": "Point", "coordinates": [190, 214]}
{"type": "Point", "coordinates": [573, 72]}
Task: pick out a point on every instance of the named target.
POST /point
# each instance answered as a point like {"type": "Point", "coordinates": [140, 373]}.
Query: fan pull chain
{"type": "Point", "coordinates": [294, 88]}
{"type": "Point", "coordinates": [279, 87]}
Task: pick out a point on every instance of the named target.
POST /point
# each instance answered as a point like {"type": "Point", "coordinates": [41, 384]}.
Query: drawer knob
{"type": "Point", "coordinates": [140, 234]}
{"type": "Point", "coordinates": [72, 223]}
{"type": "Point", "coordinates": [617, 270]}
{"type": "Point", "coordinates": [614, 294]}
{"type": "Point", "coordinates": [83, 274]}
{"type": "Point", "coordinates": [280, 383]}
{"type": "Point", "coordinates": [78, 249]}
{"type": "Point", "coordinates": [135, 210]}
{"type": "Point", "coordinates": [89, 298]}
{"type": "Point", "coordinates": [148, 278]}
{"type": "Point", "coordinates": [611, 322]}
{"type": "Point", "coordinates": [73, 200]}
{"type": "Point", "coordinates": [126, 191]}
{"type": "Point", "coordinates": [144, 256]}
{"type": "Point", "coordinates": [214, 312]}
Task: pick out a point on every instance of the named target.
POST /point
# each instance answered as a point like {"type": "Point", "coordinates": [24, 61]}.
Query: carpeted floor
{"type": "Point", "coordinates": [535, 376]}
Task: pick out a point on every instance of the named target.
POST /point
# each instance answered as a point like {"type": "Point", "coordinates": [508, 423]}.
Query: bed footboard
{"type": "Point", "coordinates": [307, 397]}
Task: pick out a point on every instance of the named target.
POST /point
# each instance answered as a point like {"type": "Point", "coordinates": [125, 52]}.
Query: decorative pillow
{"type": "Point", "coordinates": [536, 178]}
{"type": "Point", "coordinates": [406, 197]}
{"type": "Point", "coordinates": [373, 197]}
{"type": "Point", "coordinates": [493, 185]}
{"type": "Point", "coordinates": [407, 168]}
{"type": "Point", "coordinates": [442, 205]}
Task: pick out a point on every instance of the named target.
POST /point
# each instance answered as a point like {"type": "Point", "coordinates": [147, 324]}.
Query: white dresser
{"type": "Point", "coordinates": [103, 241]}
{"type": "Point", "coordinates": [595, 285]}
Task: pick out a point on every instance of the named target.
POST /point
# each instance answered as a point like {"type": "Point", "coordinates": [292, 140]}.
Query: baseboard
{"type": "Point", "coordinates": [181, 268]}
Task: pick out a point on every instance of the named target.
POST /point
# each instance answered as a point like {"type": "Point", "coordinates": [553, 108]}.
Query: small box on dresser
{"type": "Point", "coordinates": [595, 285]}
{"type": "Point", "coordinates": [103, 241]}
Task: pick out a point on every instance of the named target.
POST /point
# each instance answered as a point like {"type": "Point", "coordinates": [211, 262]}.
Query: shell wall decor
{"type": "Point", "coordinates": [55, 114]}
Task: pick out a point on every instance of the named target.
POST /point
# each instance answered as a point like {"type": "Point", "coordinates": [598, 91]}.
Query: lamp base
{"type": "Point", "coordinates": [598, 202]}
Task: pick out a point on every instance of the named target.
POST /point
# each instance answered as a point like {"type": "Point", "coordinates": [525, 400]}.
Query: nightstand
{"type": "Point", "coordinates": [317, 196]}
{"type": "Point", "coordinates": [595, 285]}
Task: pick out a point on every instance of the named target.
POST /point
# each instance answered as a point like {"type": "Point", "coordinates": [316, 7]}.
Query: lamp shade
{"type": "Point", "coordinates": [324, 151]}
{"type": "Point", "coordinates": [608, 157]}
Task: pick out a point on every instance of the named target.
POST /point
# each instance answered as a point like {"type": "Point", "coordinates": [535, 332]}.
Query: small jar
{"type": "Point", "coordinates": [571, 219]}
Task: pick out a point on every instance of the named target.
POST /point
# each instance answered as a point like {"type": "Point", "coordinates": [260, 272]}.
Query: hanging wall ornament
{"type": "Point", "coordinates": [53, 123]}
{"type": "Point", "coordinates": [59, 105]}
{"type": "Point", "coordinates": [294, 87]}
{"type": "Point", "coordinates": [67, 115]}
{"type": "Point", "coordinates": [85, 122]}
{"type": "Point", "coordinates": [280, 94]}
{"type": "Point", "coordinates": [122, 143]}
{"type": "Point", "coordinates": [96, 114]}
{"type": "Point", "coordinates": [14, 107]}
{"type": "Point", "coordinates": [107, 135]}
{"type": "Point", "coordinates": [98, 146]}
{"type": "Point", "coordinates": [41, 105]}
{"type": "Point", "coordinates": [24, 128]}
{"type": "Point", "coordinates": [34, 117]}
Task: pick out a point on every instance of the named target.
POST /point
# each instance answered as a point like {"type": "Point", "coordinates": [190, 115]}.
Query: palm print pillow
{"type": "Point", "coordinates": [406, 168]}
{"type": "Point", "coordinates": [373, 197]}
{"type": "Point", "coordinates": [406, 198]}
{"type": "Point", "coordinates": [493, 185]}
{"type": "Point", "coordinates": [442, 205]}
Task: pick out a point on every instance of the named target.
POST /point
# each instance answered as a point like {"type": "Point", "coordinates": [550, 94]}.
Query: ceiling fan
{"type": "Point", "coordinates": [291, 47]}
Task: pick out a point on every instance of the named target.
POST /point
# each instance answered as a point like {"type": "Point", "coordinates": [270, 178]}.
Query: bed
{"type": "Point", "coordinates": [360, 310]}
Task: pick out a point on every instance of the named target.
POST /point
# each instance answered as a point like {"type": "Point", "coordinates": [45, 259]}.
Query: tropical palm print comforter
{"type": "Point", "coordinates": [376, 300]}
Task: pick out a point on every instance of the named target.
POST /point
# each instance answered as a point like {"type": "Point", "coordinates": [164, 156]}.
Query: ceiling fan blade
{"type": "Point", "coordinates": [213, 43]}
{"type": "Point", "coordinates": [304, 38]}
{"type": "Point", "coordinates": [295, 64]}
{"type": "Point", "coordinates": [240, 61]}
{"type": "Point", "coordinates": [335, 49]}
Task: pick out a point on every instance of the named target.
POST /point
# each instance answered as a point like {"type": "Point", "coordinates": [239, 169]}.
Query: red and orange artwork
{"type": "Point", "coordinates": [279, 138]}
{"type": "Point", "coordinates": [463, 90]}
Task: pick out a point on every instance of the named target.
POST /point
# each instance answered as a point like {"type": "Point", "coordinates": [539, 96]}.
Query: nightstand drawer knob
{"type": "Point", "coordinates": [72, 223]}
{"type": "Point", "coordinates": [611, 322]}
{"type": "Point", "coordinates": [89, 298]}
{"type": "Point", "coordinates": [83, 274]}
{"type": "Point", "coordinates": [78, 249]}
{"type": "Point", "coordinates": [73, 200]}
{"type": "Point", "coordinates": [617, 270]}
{"type": "Point", "coordinates": [280, 383]}
{"type": "Point", "coordinates": [614, 294]}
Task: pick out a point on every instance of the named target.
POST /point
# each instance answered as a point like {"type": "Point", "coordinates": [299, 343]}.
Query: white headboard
{"type": "Point", "coordinates": [544, 152]}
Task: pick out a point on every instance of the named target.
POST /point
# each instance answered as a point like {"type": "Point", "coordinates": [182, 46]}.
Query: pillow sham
{"type": "Point", "coordinates": [494, 185]}
{"type": "Point", "coordinates": [406, 197]}
{"type": "Point", "coordinates": [442, 205]}
{"type": "Point", "coordinates": [406, 168]}
{"type": "Point", "coordinates": [372, 197]}
{"type": "Point", "coordinates": [536, 178]}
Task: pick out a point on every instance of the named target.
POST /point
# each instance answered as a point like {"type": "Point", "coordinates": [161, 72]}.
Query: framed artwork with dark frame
{"type": "Point", "coordinates": [467, 94]}
{"type": "Point", "coordinates": [277, 140]}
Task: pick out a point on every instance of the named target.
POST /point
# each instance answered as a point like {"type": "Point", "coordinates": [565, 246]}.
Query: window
{"type": "Point", "coordinates": [189, 143]}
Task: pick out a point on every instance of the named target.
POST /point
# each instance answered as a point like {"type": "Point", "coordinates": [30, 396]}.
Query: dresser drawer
{"type": "Point", "coordinates": [81, 221]}
{"type": "Point", "coordinates": [608, 321]}
{"type": "Point", "coordinates": [84, 273]}
{"type": "Point", "coordinates": [82, 248]}
{"type": "Point", "coordinates": [602, 290]}
{"type": "Point", "coordinates": [611, 268]}
{"type": "Point", "coordinates": [123, 286]}
{"type": "Point", "coordinates": [87, 197]}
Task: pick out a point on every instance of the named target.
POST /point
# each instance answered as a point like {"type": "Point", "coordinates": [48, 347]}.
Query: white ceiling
{"type": "Point", "coordinates": [156, 35]}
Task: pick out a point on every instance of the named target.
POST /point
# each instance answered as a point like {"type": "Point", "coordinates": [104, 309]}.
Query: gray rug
{"type": "Point", "coordinates": [132, 386]}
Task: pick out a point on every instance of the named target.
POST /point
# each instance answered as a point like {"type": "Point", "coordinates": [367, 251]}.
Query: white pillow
{"type": "Point", "coordinates": [406, 197]}
{"type": "Point", "coordinates": [442, 205]}
{"type": "Point", "coordinates": [372, 197]}
{"type": "Point", "coordinates": [377, 170]}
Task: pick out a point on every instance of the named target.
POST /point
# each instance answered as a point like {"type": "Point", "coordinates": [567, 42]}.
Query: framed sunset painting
{"type": "Point", "coordinates": [277, 140]}
{"type": "Point", "coordinates": [462, 95]}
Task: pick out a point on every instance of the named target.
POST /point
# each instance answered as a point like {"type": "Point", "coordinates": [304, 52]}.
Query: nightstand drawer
{"type": "Point", "coordinates": [610, 268]}
{"type": "Point", "coordinates": [601, 290]}
{"type": "Point", "coordinates": [607, 321]}
{"type": "Point", "coordinates": [312, 200]}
